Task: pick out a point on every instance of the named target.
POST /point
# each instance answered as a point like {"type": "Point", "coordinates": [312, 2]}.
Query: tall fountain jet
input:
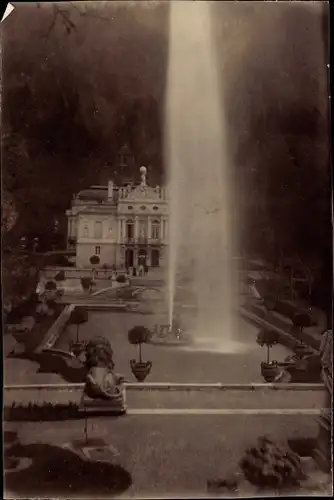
{"type": "Point", "coordinates": [201, 232]}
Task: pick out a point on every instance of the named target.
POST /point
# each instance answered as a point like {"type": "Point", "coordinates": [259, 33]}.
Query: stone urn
{"type": "Point", "coordinates": [140, 369]}
{"type": "Point", "coordinates": [269, 371]}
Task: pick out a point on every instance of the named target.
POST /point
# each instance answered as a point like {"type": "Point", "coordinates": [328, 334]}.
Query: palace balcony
{"type": "Point", "coordinates": [142, 240]}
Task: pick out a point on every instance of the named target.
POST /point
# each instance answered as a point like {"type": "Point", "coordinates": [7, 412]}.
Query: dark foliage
{"type": "Point", "coordinates": [79, 315]}
{"type": "Point", "coordinates": [50, 286]}
{"type": "Point", "coordinates": [267, 337]}
{"type": "Point", "coordinates": [86, 282]}
{"type": "Point", "coordinates": [302, 319]}
{"type": "Point", "coordinates": [268, 465]}
{"type": "Point", "coordinates": [60, 276]}
{"type": "Point", "coordinates": [95, 260]}
{"type": "Point", "coordinates": [138, 335]}
{"type": "Point", "coordinates": [62, 261]}
{"type": "Point", "coordinates": [121, 278]}
{"type": "Point", "coordinates": [54, 468]}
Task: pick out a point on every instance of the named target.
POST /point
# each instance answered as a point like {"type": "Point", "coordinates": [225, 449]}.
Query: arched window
{"type": "Point", "coordinates": [129, 228]}
{"type": "Point", "coordinates": [155, 230]}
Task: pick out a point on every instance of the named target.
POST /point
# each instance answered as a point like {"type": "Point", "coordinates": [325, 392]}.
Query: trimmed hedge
{"type": "Point", "coordinates": [121, 278]}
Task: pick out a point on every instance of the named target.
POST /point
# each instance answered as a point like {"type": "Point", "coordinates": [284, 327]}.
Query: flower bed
{"type": "Point", "coordinates": [42, 411]}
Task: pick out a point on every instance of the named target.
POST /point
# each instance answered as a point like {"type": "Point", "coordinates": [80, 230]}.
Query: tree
{"type": "Point", "coordinates": [267, 338]}
{"type": "Point", "coordinates": [138, 335]}
{"type": "Point", "coordinates": [301, 320]}
{"type": "Point", "coordinates": [79, 315]}
{"type": "Point", "coordinates": [95, 260]}
{"type": "Point", "coordinates": [121, 278]}
{"type": "Point", "coordinates": [50, 286]}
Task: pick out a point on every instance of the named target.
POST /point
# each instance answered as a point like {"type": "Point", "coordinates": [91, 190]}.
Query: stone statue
{"type": "Point", "coordinates": [143, 172]}
{"type": "Point", "coordinates": [101, 380]}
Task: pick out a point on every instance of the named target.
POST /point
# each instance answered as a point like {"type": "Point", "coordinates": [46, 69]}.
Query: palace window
{"type": "Point", "coordinates": [97, 250]}
{"type": "Point", "coordinates": [85, 231]}
{"type": "Point", "coordinates": [129, 229]}
{"type": "Point", "coordinates": [155, 230]}
{"type": "Point", "coordinates": [98, 229]}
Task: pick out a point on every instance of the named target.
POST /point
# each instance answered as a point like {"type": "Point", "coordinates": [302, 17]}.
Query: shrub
{"type": "Point", "coordinates": [62, 261]}
{"type": "Point", "coordinates": [79, 315]}
{"type": "Point", "coordinates": [86, 282]}
{"type": "Point", "coordinates": [50, 286]}
{"type": "Point", "coordinates": [302, 319]}
{"type": "Point", "coordinates": [94, 260]}
{"type": "Point", "coordinates": [267, 338]}
{"type": "Point", "coordinates": [138, 335]}
{"type": "Point", "coordinates": [60, 276]}
{"type": "Point", "coordinates": [269, 465]}
{"type": "Point", "coordinates": [121, 278]}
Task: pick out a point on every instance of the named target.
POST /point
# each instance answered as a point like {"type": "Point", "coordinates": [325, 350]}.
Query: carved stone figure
{"type": "Point", "coordinates": [101, 380]}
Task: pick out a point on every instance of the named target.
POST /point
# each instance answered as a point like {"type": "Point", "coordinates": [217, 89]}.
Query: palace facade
{"type": "Point", "coordinates": [125, 225]}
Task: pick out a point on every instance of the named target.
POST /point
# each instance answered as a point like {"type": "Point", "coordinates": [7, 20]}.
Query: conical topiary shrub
{"type": "Point", "coordinates": [269, 369]}
{"type": "Point", "coordinates": [139, 335]}
{"type": "Point", "coordinates": [79, 315]}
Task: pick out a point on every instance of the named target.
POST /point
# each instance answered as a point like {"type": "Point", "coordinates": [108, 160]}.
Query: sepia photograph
{"type": "Point", "coordinates": [166, 249]}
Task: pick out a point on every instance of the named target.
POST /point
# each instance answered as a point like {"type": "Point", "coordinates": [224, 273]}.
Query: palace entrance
{"type": "Point", "coordinates": [129, 258]}
{"type": "Point", "coordinates": [155, 257]}
{"type": "Point", "coordinates": [142, 257]}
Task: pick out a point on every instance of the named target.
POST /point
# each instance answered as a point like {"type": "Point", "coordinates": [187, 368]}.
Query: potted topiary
{"type": "Point", "coordinates": [301, 319]}
{"type": "Point", "coordinates": [121, 278]}
{"type": "Point", "coordinates": [138, 335]}
{"type": "Point", "coordinates": [269, 369]}
{"type": "Point", "coordinates": [79, 315]}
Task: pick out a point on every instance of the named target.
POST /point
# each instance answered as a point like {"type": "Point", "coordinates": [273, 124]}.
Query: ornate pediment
{"type": "Point", "coordinates": [143, 193]}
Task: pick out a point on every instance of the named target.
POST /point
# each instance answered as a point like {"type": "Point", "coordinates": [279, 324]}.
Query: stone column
{"type": "Point", "coordinates": [136, 229]}
{"type": "Point", "coordinates": [123, 229]}
{"type": "Point", "coordinates": [161, 235]}
{"type": "Point", "coordinates": [149, 230]}
{"type": "Point", "coordinates": [119, 231]}
{"type": "Point", "coordinates": [149, 256]}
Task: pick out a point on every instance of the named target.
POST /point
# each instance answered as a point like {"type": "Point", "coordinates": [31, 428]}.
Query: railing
{"type": "Point", "coordinates": [197, 399]}
{"type": "Point", "coordinates": [129, 240]}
